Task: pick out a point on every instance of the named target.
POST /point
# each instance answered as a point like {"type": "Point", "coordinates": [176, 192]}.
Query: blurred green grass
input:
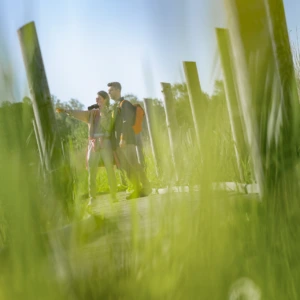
{"type": "Point", "coordinates": [195, 246]}
{"type": "Point", "coordinates": [183, 246]}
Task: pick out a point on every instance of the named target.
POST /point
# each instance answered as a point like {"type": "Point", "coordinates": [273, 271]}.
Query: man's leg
{"type": "Point", "coordinates": [144, 181]}
{"type": "Point", "coordinates": [129, 163]}
{"type": "Point", "coordinates": [124, 185]}
{"type": "Point", "coordinates": [123, 177]}
{"type": "Point", "coordinates": [142, 166]}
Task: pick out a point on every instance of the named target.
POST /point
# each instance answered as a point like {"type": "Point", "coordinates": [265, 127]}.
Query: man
{"type": "Point", "coordinates": [125, 142]}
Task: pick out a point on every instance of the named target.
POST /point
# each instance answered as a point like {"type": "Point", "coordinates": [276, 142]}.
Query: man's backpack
{"type": "Point", "coordinates": [139, 117]}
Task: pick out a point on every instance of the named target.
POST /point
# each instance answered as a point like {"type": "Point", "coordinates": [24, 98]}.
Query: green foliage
{"type": "Point", "coordinates": [20, 166]}
{"type": "Point", "coordinates": [182, 106]}
{"type": "Point", "coordinates": [178, 246]}
{"type": "Point", "coordinates": [133, 99]}
{"type": "Point", "coordinates": [72, 130]}
{"type": "Point", "coordinates": [216, 135]}
{"type": "Point", "coordinates": [296, 57]}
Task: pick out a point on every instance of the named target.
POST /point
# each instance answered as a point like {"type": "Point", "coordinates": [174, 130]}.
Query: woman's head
{"type": "Point", "coordinates": [102, 99]}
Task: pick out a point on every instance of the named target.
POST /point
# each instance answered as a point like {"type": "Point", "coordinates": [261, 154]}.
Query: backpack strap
{"type": "Point", "coordinates": [123, 100]}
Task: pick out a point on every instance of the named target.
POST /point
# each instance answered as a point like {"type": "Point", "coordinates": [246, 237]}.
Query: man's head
{"type": "Point", "coordinates": [114, 90]}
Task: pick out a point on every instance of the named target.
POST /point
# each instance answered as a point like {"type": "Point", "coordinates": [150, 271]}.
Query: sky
{"type": "Point", "coordinates": [140, 43]}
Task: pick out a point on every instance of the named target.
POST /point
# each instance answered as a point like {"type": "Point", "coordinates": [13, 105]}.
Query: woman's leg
{"type": "Point", "coordinates": [93, 161]}
{"type": "Point", "coordinates": [107, 157]}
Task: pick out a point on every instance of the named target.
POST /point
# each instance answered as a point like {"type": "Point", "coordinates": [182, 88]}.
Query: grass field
{"type": "Point", "coordinates": [194, 246]}
{"type": "Point", "coordinates": [205, 244]}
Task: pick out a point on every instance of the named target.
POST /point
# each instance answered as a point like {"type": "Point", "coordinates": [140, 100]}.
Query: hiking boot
{"type": "Point", "coordinates": [121, 188]}
{"type": "Point", "coordinates": [133, 195]}
{"type": "Point", "coordinates": [145, 192]}
{"type": "Point", "coordinates": [114, 199]}
{"type": "Point", "coordinates": [90, 201]}
{"type": "Point", "coordinates": [129, 190]}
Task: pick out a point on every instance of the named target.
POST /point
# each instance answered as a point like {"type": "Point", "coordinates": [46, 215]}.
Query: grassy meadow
{"type": "Point", "coordinates": [205, 244]}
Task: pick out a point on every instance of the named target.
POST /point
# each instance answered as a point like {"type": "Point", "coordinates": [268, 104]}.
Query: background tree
{"type": "Point", "coordinates": [71, 129]}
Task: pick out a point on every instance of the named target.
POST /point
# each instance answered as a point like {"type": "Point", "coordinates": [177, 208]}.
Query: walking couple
{"type": "Point", "coordinates": [112, 138]}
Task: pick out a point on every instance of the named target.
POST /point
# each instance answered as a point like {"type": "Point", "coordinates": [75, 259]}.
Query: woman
{"type": "Point", "coordinates": [99, 148]}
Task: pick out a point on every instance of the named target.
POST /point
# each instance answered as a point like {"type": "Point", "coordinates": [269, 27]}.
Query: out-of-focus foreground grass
{"type": "Point", "coordinates": [200, 245]}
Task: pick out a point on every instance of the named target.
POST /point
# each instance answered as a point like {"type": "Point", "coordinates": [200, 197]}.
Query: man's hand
{"type": "Point", "coordinates": [60, 110]}
{"type": "Point", "coordinates": [122, 143]}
